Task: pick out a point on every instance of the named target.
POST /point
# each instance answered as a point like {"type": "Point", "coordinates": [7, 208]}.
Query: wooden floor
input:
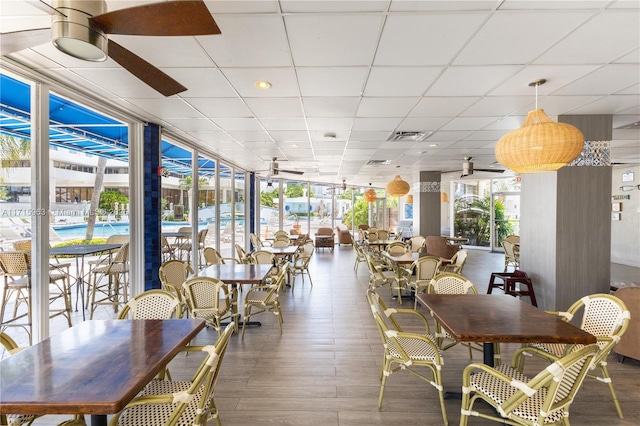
{"type": "Point", "coordinates": [324, 369]}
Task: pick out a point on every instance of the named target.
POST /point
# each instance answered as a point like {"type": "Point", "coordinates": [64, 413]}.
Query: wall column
{"type": "Point", "coordinates": [565, 225]}
{"type": "Point", "coordinates": [152, 206]}
{"type": "Point", "coordinates": [428, 200]}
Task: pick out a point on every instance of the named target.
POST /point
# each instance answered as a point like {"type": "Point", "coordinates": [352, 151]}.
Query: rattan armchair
{"type": "Point", "coordinates": [404, 351]}
{"type": "Point", "coordinates": [510, 256]}
{"type": "Point", "coordinates": [300, 263]}
{"type": "Point", "coordinates": [425, 268]}
{"type": "Point", "coordinates": [173, 273]}
{"type": "Point", "coordinates": [211, 300]}
{"type": "Point", "coordinates": [169, 403]}
{"type": "Point", "coordinates": [603, 315]}
{"type": "Point", "coordinates": [457, 262]}
{"type": "Point", "coordinates": [213, 257]}
{"type": "Point", "coordinates": [519, 400]}
{"type": "Point", "coordinates": [262, 257]}
{"type": "Point", "coordinates": [266, 297]}
{"type": "Point", "coordinates": [152, 304]}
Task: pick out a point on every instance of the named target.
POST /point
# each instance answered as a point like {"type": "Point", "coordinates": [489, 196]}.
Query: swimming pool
{"type": "Point", "coordinates": [104, 230]}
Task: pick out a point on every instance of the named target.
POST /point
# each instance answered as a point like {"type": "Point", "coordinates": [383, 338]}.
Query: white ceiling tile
{"type": "Point", "coordinates": [319, 6]}
{"type": "Point", "coordinates": [265, 45]}
{"type": "Point", "coordinates": [447, 135]}
{"type": "Point", "coordinates": [469, 123]}
{"type": "Point", "coordinates": [609, 105]}
{"type": "Point", "coordinates": [471, 81]}
{"type": "Point", "coordinates": [450, 106]}
{"type": "Point", "coordinates": [397, 81]}
{"type": "Point", "coordinates": [421, 124]}
{"type": "Point", "coordinates": [201, 82]}
{"type": "Point", "coordinates": [445, 5]}
{"type": "Point", "coordinates": [517, 37]}
{"type": "Point", "coordinates": [220, 107]}
{"type": "Point", "coordinates": [425, 39]}
{"type": "Point", "coordinates": [330, 124]}
{"type": "Point", "coordinates": [333, 40]}
{"type": "Point", "coordinates": [162, 51]}
{"type": "Point", "coordinates": [358, 144]}
{"type": "Point", "coordinates": [283, 81]}
{"type": "Point", "coordinates": [321, 136]}
{"type": "Point", "coordinates": [167, 108]}
{"type": "Point", "coordinates": [283, 123]}
{"type": "Point", "coordinates": [288, 135]}
{"type": "Point", "coordinates": [235, 124]}
{"type": "Point", "coordinates": [604, 44]}
{"type": "Point", "coordinates": [385, 107]}
{"type": "Point", "coordinates": [376, 124]}
{"type": "Point", "coordinates": [348, 81]}
{"type": "Point", "coordinates": [497, 106]}
{"type": "Point", "coordinates": [604, 81]}
{"type": "Point", "coordinates": [275, 107]}
{"type": "Point", "coordinates": [329, 146]}
{"type": "Point", "coordinates": [193, 124]}
{"type": "Point", "coordinates": [218, 7]}
{"type": "Point", "coordinates": [331, 107]}
{"type": "Point", "coordinates": [556, 77]}
{"type": "Point", "coordinates": [118, 81]}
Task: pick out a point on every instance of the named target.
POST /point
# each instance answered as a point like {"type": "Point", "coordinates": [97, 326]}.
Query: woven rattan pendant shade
{"type": "Point", "coordinates": [397, 187]}
{"type": "Point", "coordinates": [540, 145]}
{"type": "Point", "coordinates": [370, 195]}
{"type": "Point", "coordinates": [409, 199]}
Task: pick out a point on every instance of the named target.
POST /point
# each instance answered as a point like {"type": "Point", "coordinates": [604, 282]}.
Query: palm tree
{"type": "Point", "coordinates": [12, 149]}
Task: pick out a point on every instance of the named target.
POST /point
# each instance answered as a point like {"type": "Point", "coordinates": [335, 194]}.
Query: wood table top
{"type": "Point", "coordinates": [95, 367]}
{"type": "Point", "coordinates": [380, 242]}
{"type": "Point", "coordinates": [405, 259]}
{"type": "Point", "coordinates": [282, 251]}
{"type": "Point", "coordinates": [232, 273]}
{"type": "Point", "coordinates": [499, 318]}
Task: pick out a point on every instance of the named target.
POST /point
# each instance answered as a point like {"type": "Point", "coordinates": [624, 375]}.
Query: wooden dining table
{"type": "Point", "coordinates": [95, 367]}
{"type": "Point", "coordinates": [238, 274]}
{"type": "Point", "coordinates": [492, 318]}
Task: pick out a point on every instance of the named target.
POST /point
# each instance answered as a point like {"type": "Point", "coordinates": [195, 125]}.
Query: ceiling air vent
{"type": "Point", "coordinates": [409, 136]}
{"type": "Point", "coordinates": [378, 162]}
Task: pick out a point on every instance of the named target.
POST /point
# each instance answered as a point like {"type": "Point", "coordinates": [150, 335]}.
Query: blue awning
{"type": "Point", "coordinates": [78, 128]}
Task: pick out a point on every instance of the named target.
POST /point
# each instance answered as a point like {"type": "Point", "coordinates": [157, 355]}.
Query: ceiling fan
{"type": "Point", "coordinates": [80, 28]}
{"type": "Point", "coordinates": [275, 170]}
{"type": "Point", "coordinates": [468, 169]}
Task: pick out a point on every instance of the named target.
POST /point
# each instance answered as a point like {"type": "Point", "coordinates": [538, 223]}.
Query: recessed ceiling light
{"type": "Point", "coordinates": [263, 84]}
{"type": "Point", "coordinates": [433, 145]}
{"type": "Point", "coordinates": [293, 145]}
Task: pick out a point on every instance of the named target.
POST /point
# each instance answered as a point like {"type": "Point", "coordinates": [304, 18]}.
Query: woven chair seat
{"type": "Point", "coordinates": [20, 419]}
{"type": "Point", "coordinates": [152, 415]}
{"type": "Point", "coordinates": [417, 350]}
{"type": "Point", "coordinates": [499, 392]}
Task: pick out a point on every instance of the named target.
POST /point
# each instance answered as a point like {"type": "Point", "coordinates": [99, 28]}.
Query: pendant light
{"type": "Point", "coordinates": [409, 199]}
{"type": "Point", "coordinates": [397, 187]}
{"type": "Point", "coordinates": [541, 144]}
{"type": "Point", "coordinates": [370, 195]}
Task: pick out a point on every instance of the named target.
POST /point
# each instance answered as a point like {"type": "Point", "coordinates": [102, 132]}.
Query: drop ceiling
{"type": "Point", "coordinates": [363, 71]}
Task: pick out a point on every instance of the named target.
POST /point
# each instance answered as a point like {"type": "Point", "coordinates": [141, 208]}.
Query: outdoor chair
{"type": "Point", "coordinates": [360, 255]}
{"type": "Point", "coordinates": [603, 315]}
{"type": "Point", "coordinates": [378, 275]}
{"type": "Point", "coordinates": [416, 243]}
{"type": "Point", "coordinates": [168, 251]}
{"type": "Point", "coordinates": [457, 262]}
{"type": "Point", "coordinates": [173, 273]}
{"type": "Point", "coordinates": [383, 234]}
{"type": "Point", "coordinates": [213, 257]}
{"type": "Point", "coordinates": [425, 269]}
{"type": "Point", "coordinates": [152, 304]}
{"type": "Point", "coordinates": [110, 282]}
{"type": "Point", "coordinates": [169, 402]}
{"type": "Point", "coordinates": [243, 257]}
{"type": "Point", "coordinates": [396, 248]}
{"type": "Point", "coordinates": [266, 297]}
{"type": "Point", "coordinates": [519, 400]}
{"type": "Point", "coordinates": [262, 257]}
{"type": "Point", "coordinates": [510, 258]}
{"type": "Point", "coordinates": [16, 269]}
{"type": "Point", "coordinates": [300, 263]}
{"type": "Point", "coordinates": [281, 243]}
{"type": "Point", "coordinates": [404, 351]}
{"type": "Point", "coordinates": [212, 300]}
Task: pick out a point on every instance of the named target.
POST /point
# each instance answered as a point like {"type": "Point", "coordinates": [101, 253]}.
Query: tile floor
{"type": "Point", "coordinates": [324, 369]}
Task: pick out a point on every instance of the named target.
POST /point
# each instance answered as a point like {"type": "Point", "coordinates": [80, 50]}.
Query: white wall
{"type": "Point", "coordinates": [625, 233]}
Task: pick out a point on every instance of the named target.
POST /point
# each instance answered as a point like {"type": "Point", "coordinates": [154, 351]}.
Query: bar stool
{"type": "Point", "coordinates": [508, 284]}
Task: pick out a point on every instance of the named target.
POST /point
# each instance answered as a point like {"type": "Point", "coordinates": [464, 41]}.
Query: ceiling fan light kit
{"type": "Point", "coordinates": [540, 145]}
{"type": "Point", "coordinates": [73, 33]}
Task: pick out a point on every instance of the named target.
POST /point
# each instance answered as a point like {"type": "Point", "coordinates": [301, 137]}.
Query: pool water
{"type": "Point", "coordinates": [104, 230]}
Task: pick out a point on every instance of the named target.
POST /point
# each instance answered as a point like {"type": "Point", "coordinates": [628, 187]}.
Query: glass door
{"type": "Point", "coordinates": [506, 210]}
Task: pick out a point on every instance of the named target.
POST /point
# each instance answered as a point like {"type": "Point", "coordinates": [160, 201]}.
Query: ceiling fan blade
{"type": "Point", "coordinates": [20, 40]}
{"type": "Point", "coordinates": [146, 72]}
{"type": "Point", "coordinates": [488, 170]}
{"type": "Point", "coordinates": [172, 18]}
{"type": "Point", "coordinates": [44, 6]}
{"type": "Point", "coordinates": [293, 172]}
